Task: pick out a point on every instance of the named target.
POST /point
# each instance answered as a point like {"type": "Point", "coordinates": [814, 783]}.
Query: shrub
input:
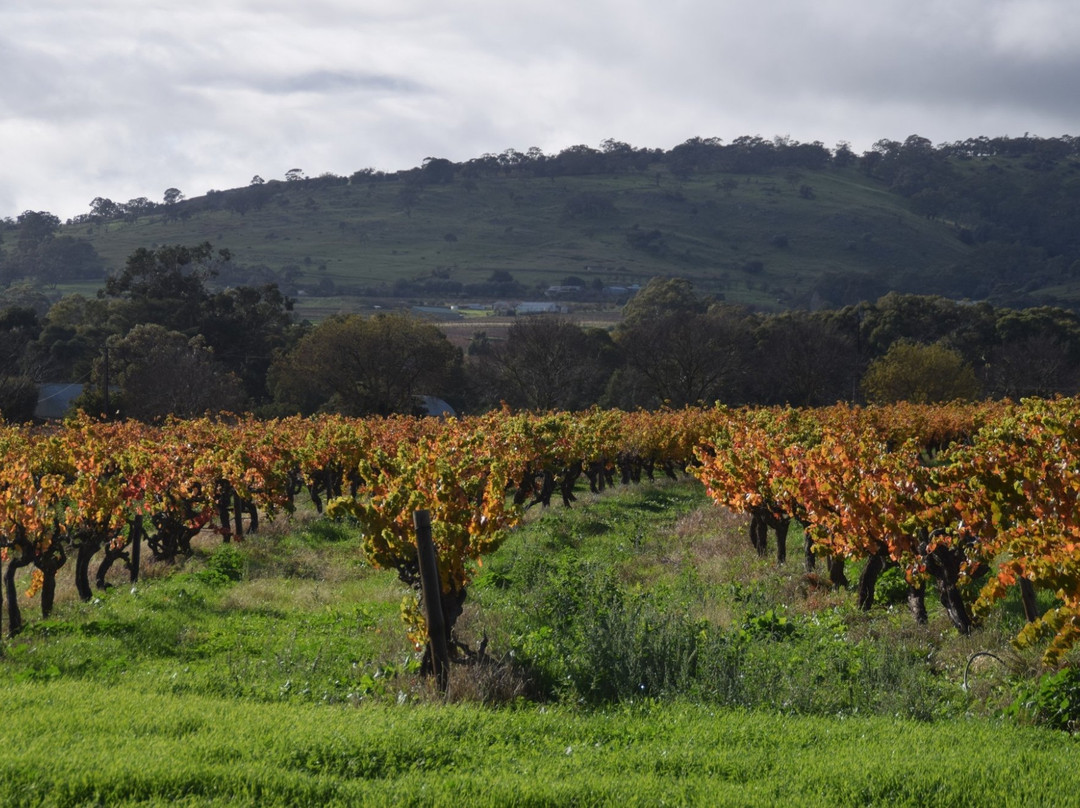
{"type": "Point", "coordinates": [225, 565]}
{"type": "Point", "coordinates": [892, 587]}
{"type": "Point", "coordinates": [1054, 700]}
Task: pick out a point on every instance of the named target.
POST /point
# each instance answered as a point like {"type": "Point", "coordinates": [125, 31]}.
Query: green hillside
{"type": "Point", "coordinates": [773, 224]}
{"type": "Point", "coordinates": [759, 242]}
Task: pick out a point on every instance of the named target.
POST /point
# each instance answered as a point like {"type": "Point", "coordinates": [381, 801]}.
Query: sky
{"type": "Point", "coordinates": [126, 98]}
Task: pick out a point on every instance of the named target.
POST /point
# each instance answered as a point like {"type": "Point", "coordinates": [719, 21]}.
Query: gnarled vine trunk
{"type": "Point", "coordinates": [24, 558]}
{"type": "Point", "coordinates": [875, 565]}
{"type": "Point", "coordinates": [49, 562]}
{"type": "Point", "coordinates": [943, 564]}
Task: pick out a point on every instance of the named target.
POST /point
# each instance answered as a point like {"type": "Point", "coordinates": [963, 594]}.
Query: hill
{"type": "Point", "coordinates": [772, 224]}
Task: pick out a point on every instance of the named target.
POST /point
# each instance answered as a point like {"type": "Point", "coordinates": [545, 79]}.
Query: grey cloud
{"type": "Point", "coordinates": [328, 82]}
{"type": "Point", "coordinates": [174, 94]}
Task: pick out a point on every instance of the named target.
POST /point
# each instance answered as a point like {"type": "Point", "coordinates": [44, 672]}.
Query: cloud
{"type": "Point", "coordinates": [332, 81]}
{"type": "Point", "coordinates": [99, 100]}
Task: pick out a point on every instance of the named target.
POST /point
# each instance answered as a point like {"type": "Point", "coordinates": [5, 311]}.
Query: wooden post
{"type": "Point", "coordinates": [432, 593]}
{"type": "Point", "coordinates": [224, 495]}
{"type": "Point", "coordinates": [135, 532]}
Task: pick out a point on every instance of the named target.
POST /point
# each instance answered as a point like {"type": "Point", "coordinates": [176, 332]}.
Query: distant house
{"type": "Point", "coordinates": [563, 291]}
{"type": "Point", "coordinates": [540, 308]}
{"type": "Point", "coordinates": [54, 400]}
{"type": "Point", "coordinates": [436, 406]}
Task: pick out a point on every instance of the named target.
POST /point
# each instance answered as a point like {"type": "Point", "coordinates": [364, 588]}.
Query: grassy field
{"type": "Point", "coordinates": [638, 653]}
{"type": "Point", "coordinates": [78, 743]}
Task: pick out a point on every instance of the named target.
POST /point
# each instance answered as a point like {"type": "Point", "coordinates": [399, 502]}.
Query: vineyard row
{"type": "Point", "coordinates": [953, 494]}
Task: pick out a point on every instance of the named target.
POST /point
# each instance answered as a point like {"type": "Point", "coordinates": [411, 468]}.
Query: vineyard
{"type": "Point", "coordinates": [968, 500]}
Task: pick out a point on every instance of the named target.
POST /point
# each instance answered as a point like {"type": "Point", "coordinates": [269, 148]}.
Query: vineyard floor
{"type": "Point", "coordinates": [638, 652]}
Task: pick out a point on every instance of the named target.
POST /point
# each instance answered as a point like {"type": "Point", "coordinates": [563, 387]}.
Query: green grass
{"type": "Point", "coordinates": [639, 653]}
{"type": "Point", "coordinates": [659, 595]}
{"type": "Point", "coordinates": [308, 621]}
{"type": "Point", "coordinates": [77, 743]}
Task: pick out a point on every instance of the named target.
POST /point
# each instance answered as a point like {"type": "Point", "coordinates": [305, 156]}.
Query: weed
{"type": "Point", "coordinates": [225, 565]}
{"type": "Point", "coordinates": [892, 587]}
{"type": "Point", "coordinates": [1053, 700]}
{"type": "Point", "coordinates": [770, 625]}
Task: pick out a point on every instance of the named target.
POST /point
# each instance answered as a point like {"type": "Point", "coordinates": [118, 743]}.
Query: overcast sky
{"type": "Point", "coordinates": [125, 98]}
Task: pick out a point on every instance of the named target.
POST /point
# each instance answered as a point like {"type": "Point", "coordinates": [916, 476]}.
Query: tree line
{"type": "Point", "coordinates": [159, 340]}
{"type": "Point", "coordinates": [675, 348]}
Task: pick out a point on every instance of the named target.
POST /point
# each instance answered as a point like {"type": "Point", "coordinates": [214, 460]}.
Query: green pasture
{"type": "Point", "coordinates": [757, 239]}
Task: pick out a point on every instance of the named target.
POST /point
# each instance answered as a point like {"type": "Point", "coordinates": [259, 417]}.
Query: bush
{"type": "Point", "coordinates": [892, 587]}
{"type": "Point", "coordinates": [1054, 700]}
{"type": "Point", "coordinates": [225, 565]}
{"type": "Point", "coordinates": [594, 641]}
{"type": "Point", "coordinates": [18, 398]}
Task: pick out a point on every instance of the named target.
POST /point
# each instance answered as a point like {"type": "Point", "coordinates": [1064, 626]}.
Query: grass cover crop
{"type": "Point", "coordinates": [641, 653]}
{"type": "Point", "coordinates": [77, 743]}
